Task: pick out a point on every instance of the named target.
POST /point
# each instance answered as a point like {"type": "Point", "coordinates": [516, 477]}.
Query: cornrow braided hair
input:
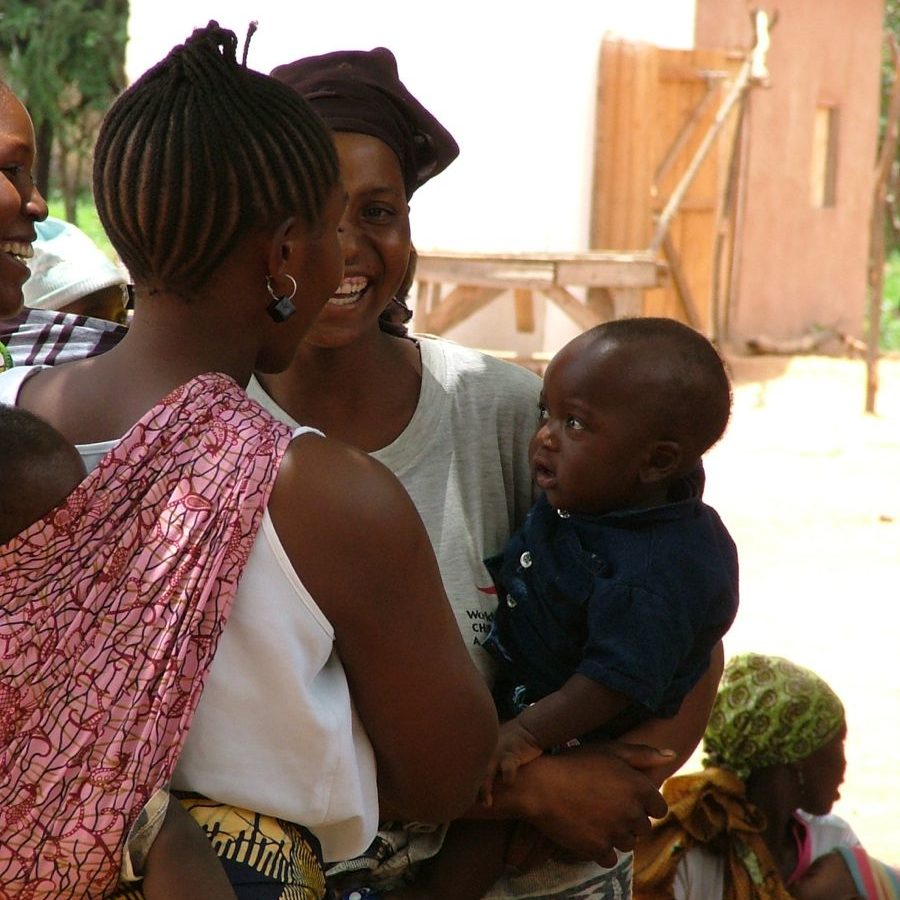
{"type": "Point", "coordinates": [199, 152]}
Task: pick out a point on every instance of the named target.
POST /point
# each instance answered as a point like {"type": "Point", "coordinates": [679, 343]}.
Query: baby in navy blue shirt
{"type": "Point", "coordinates": [622, 580]}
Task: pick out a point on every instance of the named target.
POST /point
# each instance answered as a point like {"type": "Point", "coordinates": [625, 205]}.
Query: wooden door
{"type": "Point", "coordinates": [654, 107]}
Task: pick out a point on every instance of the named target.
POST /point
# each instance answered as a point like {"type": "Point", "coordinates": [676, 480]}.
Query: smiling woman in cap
{"type": "Point", "coordinates": [361, 92]}
{"type": "Point", "coordinates": [454, 425]}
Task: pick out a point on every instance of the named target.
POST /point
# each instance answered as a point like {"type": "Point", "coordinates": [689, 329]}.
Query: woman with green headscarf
{"type": "Point", "coordinates": [750, 824]}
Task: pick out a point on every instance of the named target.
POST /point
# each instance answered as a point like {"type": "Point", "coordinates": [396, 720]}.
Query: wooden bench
{"type": "Point", "coordinates": [453, 286]}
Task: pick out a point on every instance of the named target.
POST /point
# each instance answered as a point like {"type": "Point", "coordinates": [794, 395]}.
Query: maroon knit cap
{"type": "Point", "coordinates": [361, 91]}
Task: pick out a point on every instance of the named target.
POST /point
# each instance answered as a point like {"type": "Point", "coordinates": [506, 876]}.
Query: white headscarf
{"type": "Point", "coordinates": [66, 265]}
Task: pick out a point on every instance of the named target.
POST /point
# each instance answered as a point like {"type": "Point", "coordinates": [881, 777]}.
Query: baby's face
{"type": "Point", "coordinates": [592, 437]}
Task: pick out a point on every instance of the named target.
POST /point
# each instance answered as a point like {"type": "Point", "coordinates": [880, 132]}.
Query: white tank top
{"type": "Point", "coordinates": [275, 730]}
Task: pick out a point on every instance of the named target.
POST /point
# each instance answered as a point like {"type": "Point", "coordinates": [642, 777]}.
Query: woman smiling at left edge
{"type": "Point", "coordinates": [21, 204]}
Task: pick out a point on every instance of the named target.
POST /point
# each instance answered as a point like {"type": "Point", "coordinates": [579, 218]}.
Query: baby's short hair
{"type": "Point", "coordinates": [691, 390]}
{"type": "Point", "coordinates": [38, 468]}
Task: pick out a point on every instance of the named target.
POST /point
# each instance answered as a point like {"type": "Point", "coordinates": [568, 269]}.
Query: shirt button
{"type": "Point", "coordinates": [511, 601]}
{"type": "Point", "coordinates": [525, 560]}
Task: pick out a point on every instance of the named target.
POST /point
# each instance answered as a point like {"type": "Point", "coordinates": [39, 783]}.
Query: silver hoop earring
{"type": "Point", "coordinates": [281, 308]}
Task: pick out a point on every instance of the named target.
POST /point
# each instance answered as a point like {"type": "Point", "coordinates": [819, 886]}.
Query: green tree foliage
{"type": "Point", "coordinates": [66, 60]}
{"type": "Point", "coordinates": [891, 26]}
{"type": "Point", "coordinates": [890, 306]}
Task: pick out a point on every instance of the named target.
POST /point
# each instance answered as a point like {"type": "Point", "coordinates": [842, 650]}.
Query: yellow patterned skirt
{"type": "Point", "coordinates": [265, 858]}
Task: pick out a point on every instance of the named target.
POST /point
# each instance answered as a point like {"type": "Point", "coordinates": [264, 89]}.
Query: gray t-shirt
{"type": "Point", "coordinates": [463, 459]}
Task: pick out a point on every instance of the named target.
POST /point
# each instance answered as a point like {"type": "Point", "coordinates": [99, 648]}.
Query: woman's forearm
{"type": "Point", "coordinates": [683, 732]}
{"type": "Point", "coordinates": [590, 800]}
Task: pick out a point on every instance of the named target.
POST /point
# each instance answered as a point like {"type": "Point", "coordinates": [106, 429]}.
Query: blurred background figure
{"type": "Point", "coordinates": [70, 273]}
{"type": "Point", "coordinates": [750, 825]}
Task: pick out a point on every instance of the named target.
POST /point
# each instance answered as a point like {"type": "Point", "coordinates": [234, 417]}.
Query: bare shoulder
{"type": "Point", "coordinates": [344, 519]}
{"type": "Point", "coordinates": [331, 482]}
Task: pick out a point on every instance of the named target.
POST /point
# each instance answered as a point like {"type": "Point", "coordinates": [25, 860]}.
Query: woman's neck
{"type": "Point", "coordinates": [185, 345]}
{"type": "Point", "coordinates": [774, 792]}
{"type": "Point", "coordinates": [364, 394]}
{"type": "Point", "coordinates": [168, 342]}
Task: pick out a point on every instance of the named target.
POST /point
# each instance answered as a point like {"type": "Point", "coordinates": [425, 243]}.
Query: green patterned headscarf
{"type": "Point", "coordinates": [769, 711]}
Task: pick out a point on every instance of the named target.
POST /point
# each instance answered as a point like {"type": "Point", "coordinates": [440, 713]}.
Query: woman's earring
{"type": "Point", "coordinates": [281, 308]}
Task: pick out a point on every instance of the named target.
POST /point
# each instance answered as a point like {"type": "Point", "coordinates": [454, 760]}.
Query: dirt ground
{"type": "Point", "coordinates": [809, 486]}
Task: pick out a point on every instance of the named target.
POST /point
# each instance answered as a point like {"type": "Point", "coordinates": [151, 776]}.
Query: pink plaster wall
{"type": "Point", "coordinates": [798, 265]}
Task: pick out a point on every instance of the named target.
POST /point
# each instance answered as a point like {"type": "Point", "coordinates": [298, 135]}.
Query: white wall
{"type": "Point", "coordinates": [513, 81]}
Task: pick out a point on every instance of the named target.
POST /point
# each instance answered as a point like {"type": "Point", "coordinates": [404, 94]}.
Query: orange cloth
{"type": "Point", "coordinates": [709, 809]}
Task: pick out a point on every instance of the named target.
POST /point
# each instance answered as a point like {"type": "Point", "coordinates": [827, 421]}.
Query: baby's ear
{"type": "Point", "coordinates": [662, 460]}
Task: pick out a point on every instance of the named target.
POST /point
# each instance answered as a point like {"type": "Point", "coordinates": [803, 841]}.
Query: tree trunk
{"type": "Point", "coordinates": [886, 156]}
{"type": "Point", "coordinates": [44, 150]}
{"type": "Point", "coordinates": [73, 188]}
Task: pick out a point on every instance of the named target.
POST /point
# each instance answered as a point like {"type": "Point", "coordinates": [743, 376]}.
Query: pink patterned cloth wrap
{"type": "Point", "coordinates": [111, 608]}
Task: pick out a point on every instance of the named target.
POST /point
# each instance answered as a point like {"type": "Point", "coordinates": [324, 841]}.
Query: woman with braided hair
{"type": "Point", "coordinates": [247, 613]}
